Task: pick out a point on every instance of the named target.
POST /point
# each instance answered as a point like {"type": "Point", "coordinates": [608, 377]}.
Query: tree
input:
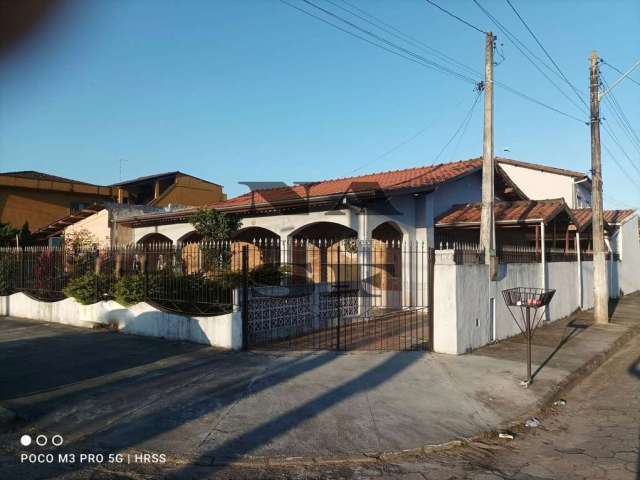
{"type": "Point", "coordinates": [215, 225]}
{"type": "Point", "coordinates": [25, 235]}
{"type": "Point", "coordinates": [7, 235]}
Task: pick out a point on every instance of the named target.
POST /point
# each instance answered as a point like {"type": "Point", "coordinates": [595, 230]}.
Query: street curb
{"type": "Point", "coordinates": [516, 425]}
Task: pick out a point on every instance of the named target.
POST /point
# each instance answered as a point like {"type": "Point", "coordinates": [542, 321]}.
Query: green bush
{"type": "Point", "coordinates": [89, 288]}
{"type": "Point", "coordinates": [7, 269]}
{"type": "Point", "coordinates": [130, 289]}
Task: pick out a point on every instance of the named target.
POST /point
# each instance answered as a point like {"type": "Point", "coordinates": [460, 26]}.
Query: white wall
{"type": "Point", "coordinates": [627, 244]}
{"type": "Point", "coordinates": [462, 293]}
{"type": "Point", "coordinates": [223, 331]}
{"type": "Point", "coordinates": [540, 185]}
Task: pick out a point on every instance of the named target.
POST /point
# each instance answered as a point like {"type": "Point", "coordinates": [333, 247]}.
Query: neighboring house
{"type": "Point", "coordinates": [99, 220]}
{"type": "Point", "coordinates": [539, 182]}
{"type": "Point", "coordinates": [171, 188]}
{"type": "Point", "coordinates": [40, 198]}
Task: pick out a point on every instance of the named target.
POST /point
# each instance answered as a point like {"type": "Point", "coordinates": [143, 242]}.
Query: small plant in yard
{"type": "Point", "coordinates": [88, 288]}
{"type": "Point", "coordinates": [130, 289]}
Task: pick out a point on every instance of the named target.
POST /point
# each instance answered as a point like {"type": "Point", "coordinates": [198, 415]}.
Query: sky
{"type": "Point", "coordinates": [255, 90]}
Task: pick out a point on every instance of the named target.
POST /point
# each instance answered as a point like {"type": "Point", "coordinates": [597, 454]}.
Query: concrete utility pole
{"type": "Point", "coordinates": [600, 285]}
{"type": "Point", "coordinates": [487, 220]}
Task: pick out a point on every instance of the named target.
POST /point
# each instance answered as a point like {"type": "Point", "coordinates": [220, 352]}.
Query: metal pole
{"type": "Point", "coordinates": [339, 306]}
{"type": "Point", "coordinates": [245, 297]}
{"type": "Point", "coordinates": [600, 287]}
{"type": "Point", "coordinates": [487, 227]}
{"type": "Point", "coordinates": [529, 334]}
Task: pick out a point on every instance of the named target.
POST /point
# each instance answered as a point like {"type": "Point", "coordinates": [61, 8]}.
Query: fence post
{"type": "Point", "coordinates": [22, 267]}
{"type": "Point", "coordinates": [245, 297]}
{"type": "Point", "coordinates": [97, 275]}
{"type": "Point", "coordinates": [145, 270]}
{"type": "Point", "coordinates": [338, 302]}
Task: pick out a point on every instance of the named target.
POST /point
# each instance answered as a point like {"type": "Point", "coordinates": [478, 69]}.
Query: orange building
{"type": "Point", "coordinates": [171, 188]}
{"type": "Point", "coordinates": [40, 198]}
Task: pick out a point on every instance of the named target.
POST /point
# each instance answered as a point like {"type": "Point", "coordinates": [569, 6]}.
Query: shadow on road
{"type": "Point", "coordinates": [573, 328]}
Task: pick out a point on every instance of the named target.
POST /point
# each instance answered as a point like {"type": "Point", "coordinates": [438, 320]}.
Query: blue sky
{"type": "Point", "coordinates": [256, 91]}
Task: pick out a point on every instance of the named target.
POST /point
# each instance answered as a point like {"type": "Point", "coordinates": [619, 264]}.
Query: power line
{"type": "Point", "coordinates": [623, 121]}
{"type": "Point", "coordinates": [619, 71]}
{"type": "Point", "coordinates": [564, 77]}
{"type": "Point", "coordinates": [622, 169]}
{"type": "Point", "coordinates": [615, 139]}
{"type": "Point", "coordinates": [464, 131]}
{"type": "Point", "coordinates": [364, 39]}
{"type": "Point", "coordinates": [538, 102]}
{"type": "Point", "coordinates": [521, 47]}
{"type": "Point", "coordinates": [465, 120]}
{"type": "Point", "coordinates": [402, 143]}
{"type": "Point", "coordinates": [415, 58]}
{"type": "Point", "coordinates": [453, 15]}
{"type": "Point", "coordinates": [386, 27]}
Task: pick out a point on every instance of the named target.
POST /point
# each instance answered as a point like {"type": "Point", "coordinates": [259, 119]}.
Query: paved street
{"type": "Point", "coordinates": [596, 435]}
{"type": "Point", "coordinates": [111, 393]}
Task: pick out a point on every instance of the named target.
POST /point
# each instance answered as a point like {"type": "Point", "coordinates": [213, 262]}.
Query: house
{"type": "Point", "coordinates": [40, 198]}
{"type": "Point", "coordinates": [170, 188]}
{"type": "Point", "coordinates": [540, 182]}
{"type": "Point", "coordinates": [399, 205]}
{"type": "Point", "coordinates": [97, 220]}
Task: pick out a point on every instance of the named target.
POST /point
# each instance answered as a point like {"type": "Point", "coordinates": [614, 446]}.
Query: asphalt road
{"type": "Point", "coordinates": [595, 435]}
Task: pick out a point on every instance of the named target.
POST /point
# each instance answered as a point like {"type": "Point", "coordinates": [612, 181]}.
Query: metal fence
{"type": "Point", "coordinates": [305, 294]}
{"type": "Point", "coordinates": [470, 253]}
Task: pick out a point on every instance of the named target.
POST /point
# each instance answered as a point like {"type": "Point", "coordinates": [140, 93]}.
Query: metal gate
{"type": "Point", "coordinates": [344, 295]}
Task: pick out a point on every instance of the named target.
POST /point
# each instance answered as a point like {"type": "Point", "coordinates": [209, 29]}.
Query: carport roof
{"type": "Point", "coordinates": [523, 211]}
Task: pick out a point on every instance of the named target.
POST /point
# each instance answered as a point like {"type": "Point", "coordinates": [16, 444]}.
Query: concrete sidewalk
{"type": "Point", "coordinates": [111, 392]}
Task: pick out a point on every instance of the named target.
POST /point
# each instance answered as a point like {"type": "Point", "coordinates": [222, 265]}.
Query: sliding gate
{"type": "Point", "coordinates": [344, 295]}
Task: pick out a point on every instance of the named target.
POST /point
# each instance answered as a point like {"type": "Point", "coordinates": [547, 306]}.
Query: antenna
{"type": "Point", "coordinates": [122, 162]}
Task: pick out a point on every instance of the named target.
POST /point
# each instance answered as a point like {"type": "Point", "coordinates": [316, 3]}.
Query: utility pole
{"type": "Point", "coordinates": [600, 285]}
{"type": "Point", "coordinates": [487, 220]}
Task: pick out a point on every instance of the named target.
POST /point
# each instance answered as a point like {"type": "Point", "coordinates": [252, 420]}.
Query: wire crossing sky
{"type": "Point", "coordinates": [303, 90]}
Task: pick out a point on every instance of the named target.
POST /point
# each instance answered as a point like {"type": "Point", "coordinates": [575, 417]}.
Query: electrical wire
{"type": "Point", "coordinates": [453, 15]}
{"type": "Point", "coordinates": [465, 121]}
{"type": "Point", "coordinates": [415, 58]}
{"type": "Point", "coordinates": [621, 118]}
{"type": "Point", "coordinates": [353, 34]}
{"type": "Point", "coordinates": [386, 27]}
{"type": "Point", "coordinates": [619, 71]}
{"type": "Point", "coordinates": [564, 77]}
{"type": "Point", "coordinates": [521, 47]}
{"type": "Point", "coordinates": [435, 65]}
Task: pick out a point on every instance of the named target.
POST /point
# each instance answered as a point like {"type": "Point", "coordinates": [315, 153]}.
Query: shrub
{"type": "Point", "coordinates": [130, 289]}
{"type": "Point", "coordinates": [89, 288]}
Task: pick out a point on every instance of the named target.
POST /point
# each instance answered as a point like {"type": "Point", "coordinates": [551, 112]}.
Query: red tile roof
{"type": "Point", "coordinates": [617, 216]}
{"type": "Point", "coordinates": [612, 217]}
{"type": "Point", "coordinates": [410, 178]}
{"type": "Point", "coordinates": [531, 211]}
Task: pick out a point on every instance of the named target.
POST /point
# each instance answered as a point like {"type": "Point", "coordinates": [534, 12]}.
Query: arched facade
{"type": "Point", "coordinates": [154, 239]}
{"type": "Point", "coordinates": [321, 252]}
{"type": "Point", "coordinates": [263, 247]}
{"type": "Point", "coordinates": [386, 261]}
